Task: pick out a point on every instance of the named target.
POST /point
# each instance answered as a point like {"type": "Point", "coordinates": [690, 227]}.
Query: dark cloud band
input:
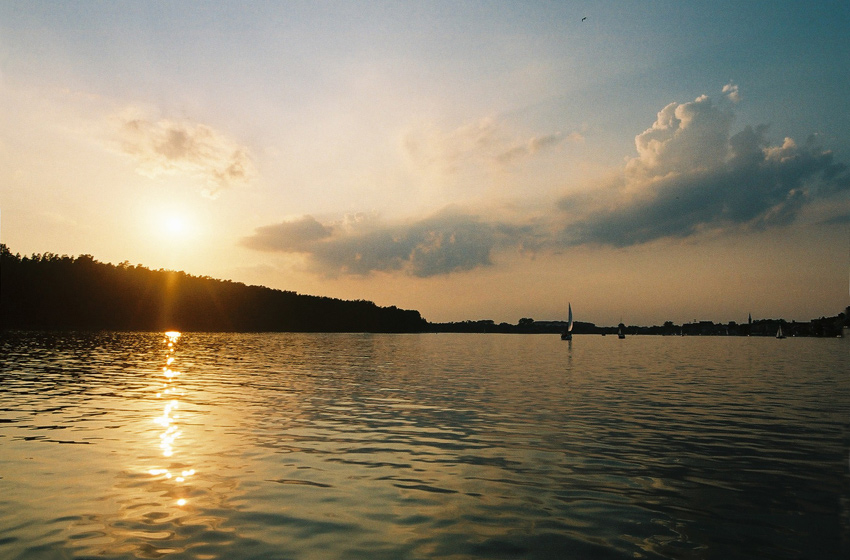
{"type": "Point", "coordinates": [442, 244]}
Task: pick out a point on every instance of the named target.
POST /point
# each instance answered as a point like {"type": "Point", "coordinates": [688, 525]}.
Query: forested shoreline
{"type": "Point", "coordinates": [52, 292]}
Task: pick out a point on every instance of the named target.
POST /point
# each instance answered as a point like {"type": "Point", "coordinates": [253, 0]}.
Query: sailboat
{"type": "Point", "coordinates": [620, 333]}
{"type": "Point", "coordinates": [568, 334]}
{"type": "Point", "coordinates": [779, 333]}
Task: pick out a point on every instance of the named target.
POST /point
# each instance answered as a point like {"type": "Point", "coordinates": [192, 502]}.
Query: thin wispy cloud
{"type": "Point", "coordinates": [840, 219]}
{"type": "Point", "coordinates": [534, 145]}
{"type": "Point", "coordinates": [484, 142]}
{"type": "Point", "coordinates": [691, 175]}
{"type": "Point", "coordinates": [171, 147]}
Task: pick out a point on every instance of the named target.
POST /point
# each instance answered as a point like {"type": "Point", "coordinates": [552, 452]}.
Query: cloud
{"type": "Point", "coordinates": [292, 236]}
{"type": "Point", "coordinates": [450, 241]}
{"type": "Point", "coordinates": [683, 137]}
{"type": "Point", "coordinates": [483, 142]}
{"type": "Point", "coordinates": [169, 147]}
{"type": "Point", "coordinates": [839, 220]}
{"type": "Point", "coordinates": [731, 91]}
{"type": "Point", "coordinates": [534, 145]}
{"type": "Point", "coordinates": [692, 174]}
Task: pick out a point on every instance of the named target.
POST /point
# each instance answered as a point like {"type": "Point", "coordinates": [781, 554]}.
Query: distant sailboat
{"type": "Point", "coordinates": [779, 333]}
{"type": "Point", "coordinates": [568, 334]}
{"type": "Point", "coordinates": [620, 333]}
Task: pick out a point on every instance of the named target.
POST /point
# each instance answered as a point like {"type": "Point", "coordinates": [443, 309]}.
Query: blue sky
{"type": "Point", "coordinates": [663, 160]}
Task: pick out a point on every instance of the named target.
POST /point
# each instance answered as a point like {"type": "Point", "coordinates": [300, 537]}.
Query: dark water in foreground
{"type": "Point", "coordinates": [423, 446]}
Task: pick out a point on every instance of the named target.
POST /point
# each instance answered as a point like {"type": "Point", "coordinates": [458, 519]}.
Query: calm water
{"type": "Point", "coordinates": [273, 446]}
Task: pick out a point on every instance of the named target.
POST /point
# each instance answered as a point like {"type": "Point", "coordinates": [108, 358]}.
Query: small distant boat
{"type": "Point", "coordinates": [779, 333]}
{"type": "Point", "coordinates": [620, 333]}
{"type": "Point", "coordinates": [568, 334]}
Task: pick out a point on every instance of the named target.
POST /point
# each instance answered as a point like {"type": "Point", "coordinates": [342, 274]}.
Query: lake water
{"type": "Point", "coordinates": [311, 446]}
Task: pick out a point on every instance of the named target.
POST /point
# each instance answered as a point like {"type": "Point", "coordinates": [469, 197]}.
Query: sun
{"type": "Point", "coordinates": [170, 224]}
{"type": "Point", "coordinates": [174, 226]}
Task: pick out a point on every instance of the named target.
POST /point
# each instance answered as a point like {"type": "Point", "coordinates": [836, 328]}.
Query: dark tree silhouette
{"type": "Point", "coordinates": [46, 291]}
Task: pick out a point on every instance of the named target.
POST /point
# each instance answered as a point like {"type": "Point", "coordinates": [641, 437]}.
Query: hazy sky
{"type": "Point", "coordinates": [472, 160]}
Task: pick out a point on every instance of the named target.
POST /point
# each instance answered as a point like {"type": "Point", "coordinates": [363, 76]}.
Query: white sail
{"type": "Point", "coordinates": [566, 334]}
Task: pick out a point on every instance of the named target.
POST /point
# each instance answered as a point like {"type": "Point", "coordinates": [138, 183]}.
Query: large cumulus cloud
{"type": "Point", "coordinates": [692, 174]}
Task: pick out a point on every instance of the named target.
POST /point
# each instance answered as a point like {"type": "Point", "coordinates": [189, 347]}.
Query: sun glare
{"type": "Point", "coordinates": [174, 226]}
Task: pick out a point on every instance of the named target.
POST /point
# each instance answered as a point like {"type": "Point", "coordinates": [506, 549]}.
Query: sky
{"type": "Point", "coordinates": [641, 161]}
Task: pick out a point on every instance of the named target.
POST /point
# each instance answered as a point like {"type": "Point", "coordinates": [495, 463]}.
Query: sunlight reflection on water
{"type": "Point", "coordinates": [169, 418]}
{"type": "Point", "coordinates": [122, 445]}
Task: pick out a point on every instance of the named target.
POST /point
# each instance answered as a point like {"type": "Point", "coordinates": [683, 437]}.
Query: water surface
{"type": "Point", "coordinates": [297, 446]}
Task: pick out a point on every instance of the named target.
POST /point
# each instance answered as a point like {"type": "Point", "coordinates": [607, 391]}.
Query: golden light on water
{"type": "Point", "coordinates": [168, 418]}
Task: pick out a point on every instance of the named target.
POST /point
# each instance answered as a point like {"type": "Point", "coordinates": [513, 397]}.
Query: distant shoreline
{"type": "Point", "coordinates": [828, 327]}
{"type": "Point", "coordinates": [61, 293]}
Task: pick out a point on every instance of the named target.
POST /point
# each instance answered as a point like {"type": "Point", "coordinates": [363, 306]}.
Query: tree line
{"type": "Point", "coordinates": [823, 327]}
{"type": "Point", "coordinates": [48, 291]}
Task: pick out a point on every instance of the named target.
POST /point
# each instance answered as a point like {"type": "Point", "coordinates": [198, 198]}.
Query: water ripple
{"type": "Point", "coordinates": [423, 446]}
